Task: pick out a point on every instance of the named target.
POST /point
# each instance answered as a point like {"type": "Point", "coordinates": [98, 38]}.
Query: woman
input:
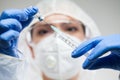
{"type": "Point", "coordinates": [47, 50]}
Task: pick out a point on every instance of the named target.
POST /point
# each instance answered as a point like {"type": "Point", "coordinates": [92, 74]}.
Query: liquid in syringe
{"type": "Point", "coordinates": [65, 38]}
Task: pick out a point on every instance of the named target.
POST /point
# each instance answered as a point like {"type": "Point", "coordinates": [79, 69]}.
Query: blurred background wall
{"type": "Point", "coordinates": [106, 13]}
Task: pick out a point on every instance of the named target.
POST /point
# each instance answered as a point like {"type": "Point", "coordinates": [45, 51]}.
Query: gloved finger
{"type": "Point", "coordinates": [111, 61]}
{"type": "Point", "coordinates": [31, 11]}
{"type": "Point", "coordinates": [86, 46]}
{"type": "Point", "coordinates": [21, 15]}
{"type": "Point", "coordinates": [8, 38]}
{"type": "Point", "coordinates": [98, 51]}
{"type": "Point", "coordinates": [8, 24]}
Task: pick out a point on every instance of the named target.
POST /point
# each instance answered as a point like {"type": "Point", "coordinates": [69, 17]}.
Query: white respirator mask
{"type": "Point", "coordinates": [53, 57]}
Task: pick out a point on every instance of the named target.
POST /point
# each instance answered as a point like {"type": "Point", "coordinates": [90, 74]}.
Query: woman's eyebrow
{"type": "Point", "coordinates": [43, 24]}
{"type": "Point", "coordinates": [65, 23]}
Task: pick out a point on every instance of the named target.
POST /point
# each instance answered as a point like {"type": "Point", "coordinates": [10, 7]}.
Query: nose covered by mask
{"type": "Point", "coordinates": [53, 57]}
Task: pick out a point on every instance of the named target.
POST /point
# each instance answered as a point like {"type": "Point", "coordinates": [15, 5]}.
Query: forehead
{"type": "Point", "coordinates": [58, 17]}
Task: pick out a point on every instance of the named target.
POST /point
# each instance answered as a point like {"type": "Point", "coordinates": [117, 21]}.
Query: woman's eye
{"type": "Point", "coordinates": [42, 32]}
{"type": "Point", "coordinates": [71, 29]}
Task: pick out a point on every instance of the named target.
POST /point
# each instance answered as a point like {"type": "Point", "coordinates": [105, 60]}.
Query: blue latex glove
{"type": "Point", "coordinates": [12, 22]}
{"type": "Point", "coordinates": [100, 46]}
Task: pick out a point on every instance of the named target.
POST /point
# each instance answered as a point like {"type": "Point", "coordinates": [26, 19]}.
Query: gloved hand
{"type": "Point", "coordinates": [100, 46]}
{"type": "Point", "coordinates": [12, 22]}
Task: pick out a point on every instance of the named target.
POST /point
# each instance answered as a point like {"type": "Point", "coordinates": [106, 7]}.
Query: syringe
{"type": "Point", "coordinates": [65, 38]}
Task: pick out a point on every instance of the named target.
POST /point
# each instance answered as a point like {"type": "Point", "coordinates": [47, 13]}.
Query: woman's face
{"type": "Point", "coordinates": [64, 23]}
